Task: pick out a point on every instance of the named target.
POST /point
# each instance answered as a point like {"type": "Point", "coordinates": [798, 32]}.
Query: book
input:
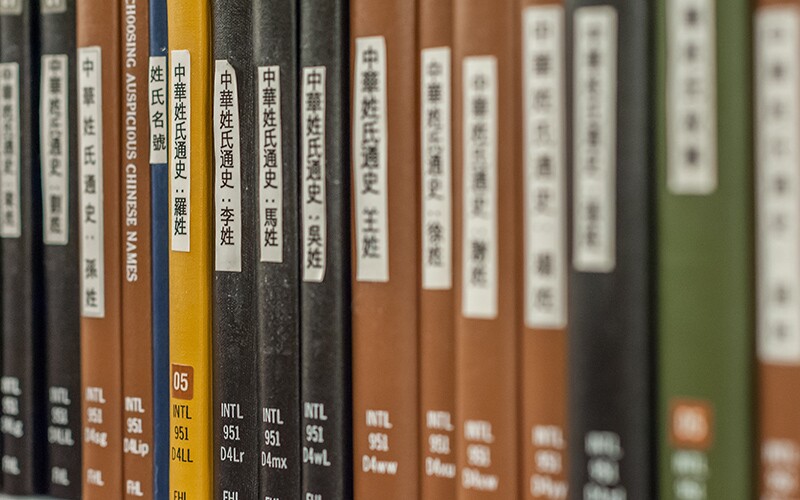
{"type": "Point", "coordinates": [99, 158]}
{"type": "Point", "coordinates": [777, 127]}
{"type": "Point", "coordinates": [275, 52]}
{"type": "Point", "coordinates": [137, 318]}
{"type": "Point", "coordinates": [544, 265]}
{"type": "Point", "coordinates": [610, 314]}
{"type": "Point", "coordinates": [705, 259]}
{"type": "Point", "coordinates": [21, 249]}
{"type": "Point", "coordinates": [325, 260]}
{"type": "Point", "coordinates": [235, 318]}
{"type": "Point", "coordinates": [385, 251]}
{"type": "Point", "coordinates": [159, 243]}
{"type": "Point", "coordinates": [487, 338]}
{"type": "Point", "coordinates": [191, 249]}
{"type": "Point", "coordinates": [58, 139]}
{"type": "Point", "coordinates": [437, 358]}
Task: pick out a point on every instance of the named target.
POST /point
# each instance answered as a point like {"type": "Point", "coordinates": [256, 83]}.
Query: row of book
{"type": "Point", "coordinates": [400, 249]}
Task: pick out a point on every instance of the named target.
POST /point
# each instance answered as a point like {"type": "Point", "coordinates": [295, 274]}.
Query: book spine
{"type": "Point", "coordinates": [385, 251]}
{"type": "Point", "coordinates": [610, 318]}
{"type": "Point", "coordinates": [99, 157]}
{"type": "Point", "coordinates": [137, 326]}
{"type": "Point", "coordinates": [190, 261]}
{"type": "Point", "coordinates": [59, 172]}
{"type": "Point", "coordinates": [278, 270]}
{"type": "Point", "coordinates": [705, 257]}
{"type": "Point", "coordinates": [777, 79]}
{"type": "Point", "coordinates": [235, 334]}
{"type": "Point", "coordinates": [159, 243]}
{"type": "Point", "coordinates": [544, 264]}
{"type": "Point", "coordinates": [325, 262]}
{"type": "Point", "coordinates": [21, 245]}
{"type": "Point", "coordinates": [437, 417]}
{"type": "Point", "coordinates": [487, 340]}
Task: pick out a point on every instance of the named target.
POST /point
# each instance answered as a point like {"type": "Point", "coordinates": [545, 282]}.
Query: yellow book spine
{"type": "Point", "coordinates": [190, 260]}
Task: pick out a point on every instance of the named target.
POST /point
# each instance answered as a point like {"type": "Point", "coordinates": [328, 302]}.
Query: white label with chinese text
{"type": "Point", "coordinates": [90, 169]}
{"type": "Point", "coordinates": [54, 148]}
{"type": "Point", "coordinates": [157, 89]}
{"type": "Point", "coordinates": [270, 157]}
{"type": "Point", "coordinates": [479, 243]}
{"type": "Point", "coordinates": [545, 176]}
{"type": "Point", "coordinates": [370, 150]}
{"type": "Point", "coordinates": [777, 64]}
{"type": "Point", "coordinates": [180, 148]}
{"type": "Point", "coordinates": [228, 180]}
{"type": "Point", "coordinates": [312, 135]}
{"type": "Point", "coordinates": [691, 97]}
{"type": "Point", "coordinates": [595, 139]}
{"type": "Point", "coordinates": [10, 212]}
{"type": "Point", "coordinates": [10, 7]}
{"type": "Point", "coordinates": [435, 142]}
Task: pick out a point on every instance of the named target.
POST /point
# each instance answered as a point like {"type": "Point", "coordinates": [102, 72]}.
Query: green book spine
{"type": "Point", "coordinates": [705, 245]}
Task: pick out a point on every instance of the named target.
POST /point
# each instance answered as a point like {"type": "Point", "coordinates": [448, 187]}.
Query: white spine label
{"type": "Point", "coordinates": [312, 135]}
{"type": "Point", "coordinates": [691, 97]}
{"type": "Point", "coordinates": [778, 183]}
{"type": "Point", "coordinates": [180, 148]}
{"type": "Point", "coordinates": [595, 138]}
{"type": "Point", "coordinates": [370, 158]}
{"type": "Point", "coordinates": [270, 148]}
{"type": "Point", "coordinates": [157, 88]}
{"type": "Point", "coordinates": [435, 141]}
{"type": "Point", "coordinates": [10, 213]}
{"type": "Point", "coordinates": [54, 145]}
{"type": "Point", "coordinates": [228, 181]}
{"type": "Point", "coordinates": [90, 164]}
{"type": "Point", "coordinates": [545, 177]}
{"type": "Point", "coordinates": [479, 243]}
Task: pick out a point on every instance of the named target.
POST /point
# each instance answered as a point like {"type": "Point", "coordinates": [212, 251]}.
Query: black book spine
{"type": "Point", "coordinates": [59, 171]}
{"type": "Point", "coordinates": [326, 395]}
{"type": "Point", "coordinates": [21, 232]}
{"type": "Point", "coordinates": [275, 54]}
{"type": "Point", "coordinates": [235, 321]}
{"type": "Point", "coordinates": [611, 445]}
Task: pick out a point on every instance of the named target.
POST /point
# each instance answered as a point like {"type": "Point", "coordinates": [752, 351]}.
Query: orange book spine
{"type": "Point", "coordinates": [485, 188]}
{"type": "Point", "coordinates": [385, 249]}
{"type": "Point", "coordinates": [137, 331]}
{"type": "Point", "coordinates": [436, 327]}
{"type": "Point", "coordinates": [98, 40]}
{"type": "Point", "coordinates": [543, 251]}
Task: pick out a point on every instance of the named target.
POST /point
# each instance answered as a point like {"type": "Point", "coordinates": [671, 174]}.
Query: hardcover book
{"type": "Point", "coordinates": [610, 302]}
{"type": "Point", "coordinates": [437, 417]}
{"type": "Point", "coordinates": [235, 320]}
{"type": "Point", "coordinates": [543, 287]}
{"type": "Point", "coordinates": [159, 243]}
{"type": "Point", "coordinates": [275, 53]}
{"type": "Point", "coordinates": [58, 139]}
{"type": "Point", "coordinates": [485, 186]}
{"type": "Point", "coordinates": [385, 249]}
{"type": "Point", "coordinates": [777, 133]}
{"type": "Point", "coordinates": [137, 326]}
{"type": "Point", "coordinates": [325, 260]}
{"type": "Point", "coordinates": [99, 159]}
{"type": "Point", "coordinates": [705, 256]}
{"type": "Point", "coordinates": [191, 249]}
{"type": "Point", "coordinates": [21, 248]}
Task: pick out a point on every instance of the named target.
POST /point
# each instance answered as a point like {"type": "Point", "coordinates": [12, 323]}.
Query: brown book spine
{"type": "Point", "coordinates": [543, 252]}
{"type": "Point", "coordinates": [777, 79]}
{"type": "Point", "coordinates": [385, 249]}
{"type": "Point", "coordinates": [485, 188]}
{"type": "Point", "coordinates": [436, 326]}
{"type": "Point", "coordinates": [98, 40]}
{"type": "Point", "coordinates": [137, 338]}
